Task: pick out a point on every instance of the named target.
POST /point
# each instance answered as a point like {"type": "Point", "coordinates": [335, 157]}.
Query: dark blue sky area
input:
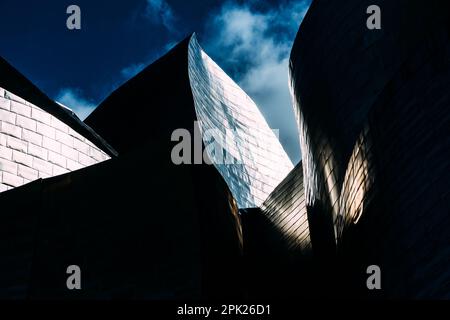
{"type": "Point", "coordinates": [250, 40]}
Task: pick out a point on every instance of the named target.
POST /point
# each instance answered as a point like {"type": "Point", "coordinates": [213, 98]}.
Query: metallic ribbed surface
{"type": "Point", "coordinates": [254, 162]}
{"type": "Point", "coordinates": [358, 186]}
{"type": "Point", "coordinates": [372, 109]}
{"type": "Point", "coordinates": [181, 221]}
{"type": "Point", "coordinates": [286, 209]}
{"type": "Point", "coordinates": [338, 71]}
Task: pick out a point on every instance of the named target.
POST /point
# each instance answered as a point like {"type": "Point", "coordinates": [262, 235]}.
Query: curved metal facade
{"type": "Point", "coordinates": [286, 209]}
{"type": "Point", "coordinates": [337, 77]}
{"type": "Point", "coordinates": [372, 109]}
{"type": "Point", "coordinates": [161, 230]}
{"type": "Point", "coordinates": [252, 161]}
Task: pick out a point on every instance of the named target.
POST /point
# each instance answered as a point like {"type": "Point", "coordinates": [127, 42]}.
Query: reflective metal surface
{"type": "Point", "coordinates": [357, 187]}
{"type": "Point", "coordinates": [373, 116]}
{"type": "Point", "coordinates": [286, 209]}
{"type": "Point", "coordinates": [253, 162]}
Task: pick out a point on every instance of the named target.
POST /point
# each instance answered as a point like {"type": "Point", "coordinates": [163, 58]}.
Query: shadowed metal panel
{"type": "Point", "coordinates": [372, 107]}
{"type": "Point", "coordinates": [286, 209]}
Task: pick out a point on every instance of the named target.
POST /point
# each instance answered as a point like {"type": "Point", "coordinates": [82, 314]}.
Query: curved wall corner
{"type": "Point", "coordinates": [372, 109]}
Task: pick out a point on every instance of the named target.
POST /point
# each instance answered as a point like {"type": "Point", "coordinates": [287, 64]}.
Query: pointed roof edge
{"type": "Point", "coordinates": [15, 82]}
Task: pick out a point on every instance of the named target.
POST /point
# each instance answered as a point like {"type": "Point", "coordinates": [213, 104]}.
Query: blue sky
{"type": "Point", "coordinates": [250, 40]}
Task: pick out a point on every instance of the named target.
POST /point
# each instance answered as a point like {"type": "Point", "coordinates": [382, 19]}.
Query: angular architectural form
{"type": "Point", "coordinates": [286, 209]}
{"type": "Point", "coordinates": [372, 108]}
{"type": "Point", "coordinates": [252, 160]}
{"type": "Point", "coordinates": [277, 244]}
{"type": "Point", "coordinates": [373, 187]}
{"type": "Point", "coordinates": [38, 137]}
{"type": "Point", "coordinates": [147, 227]}
{"type": "Point", "coordinates": [147, 236]}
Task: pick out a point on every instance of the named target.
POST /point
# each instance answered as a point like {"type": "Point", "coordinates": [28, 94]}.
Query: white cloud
{"type": "Point", "coordinates": [132, 70]}
{"type": "Point", "coordinates": [254, 46]}
{"type": "Point", "coordinates": [159, 11]}
{"type": "Point", "coordinates": [169, 46]}
{"type": "Point", "coordinates": [72, 99]}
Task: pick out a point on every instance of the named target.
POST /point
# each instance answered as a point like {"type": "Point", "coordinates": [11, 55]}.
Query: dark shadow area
{"type": "Point", "coordinates": [133, 236]}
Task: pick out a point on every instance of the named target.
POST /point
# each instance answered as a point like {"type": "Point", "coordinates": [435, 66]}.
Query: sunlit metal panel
{"type": "Point", "coordinates": [252, 160]}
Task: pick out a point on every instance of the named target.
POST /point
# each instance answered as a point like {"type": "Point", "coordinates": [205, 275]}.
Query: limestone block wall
{"type": "Point", "coordinates": [35, 144]}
